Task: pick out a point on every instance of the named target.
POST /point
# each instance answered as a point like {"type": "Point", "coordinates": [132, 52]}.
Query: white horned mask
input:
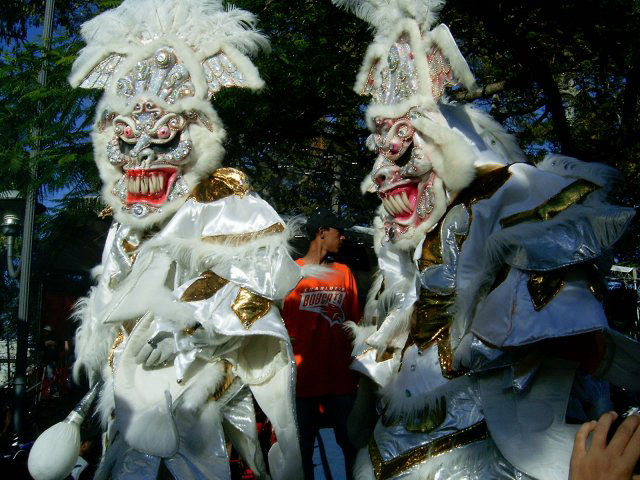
{"type": "Point", "coordinates": [421, 161]}
{"type": "Point", "coordinates": [160, 63]}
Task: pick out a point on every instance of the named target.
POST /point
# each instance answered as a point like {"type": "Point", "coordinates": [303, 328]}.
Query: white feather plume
{"type": "Point", "coordinates": [384, 14]}
{"type": "Point", "coordinates": [204, 25]}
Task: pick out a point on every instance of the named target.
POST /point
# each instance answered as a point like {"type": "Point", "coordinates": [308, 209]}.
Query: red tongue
{"type": "Point", "coordinates": [152, 198]}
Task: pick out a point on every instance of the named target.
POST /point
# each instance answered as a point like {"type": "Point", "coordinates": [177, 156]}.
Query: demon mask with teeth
{"type": "Point", "coordinates": [149, 160]}
{"type": "Point", "coordinates": [157, 135]}
{"type": "Point", "coordinates": [410, 175]}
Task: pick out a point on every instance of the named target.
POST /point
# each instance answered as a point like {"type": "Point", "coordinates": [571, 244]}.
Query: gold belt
{"type": "Point", "coordinates": [384, 470]}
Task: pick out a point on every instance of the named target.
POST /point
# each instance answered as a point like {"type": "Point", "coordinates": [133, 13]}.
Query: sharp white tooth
{"type": "Point", "coordinates": [161, 179]}
{"type": "Point", "coordinates": [407, 205]}
{"type": "Point", "coordinates": [396, 205]}
{"type": "Point", "coordinates": [144, 186]}
{"type": "Point", "coordinates": [387, 207]}
{"type": "Point", "coordinates": [137, 185]}
{"type": "Point", "coordinates": [153, 183]}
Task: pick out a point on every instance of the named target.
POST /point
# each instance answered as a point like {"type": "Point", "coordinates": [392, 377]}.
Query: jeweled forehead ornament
{"type": "Point", "coordinates": [160, 63]}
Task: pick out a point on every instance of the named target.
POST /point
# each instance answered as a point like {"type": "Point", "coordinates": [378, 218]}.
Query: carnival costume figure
{"type": "Point", "coordinates": [180, 333]}
{"type": "Point", "coordinates": [487, 299]}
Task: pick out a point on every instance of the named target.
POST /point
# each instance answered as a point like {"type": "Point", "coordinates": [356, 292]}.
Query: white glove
{"type": "Point", "coordinates": [158, 350]}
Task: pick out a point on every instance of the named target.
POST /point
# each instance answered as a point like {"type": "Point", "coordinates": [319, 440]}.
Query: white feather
{"type": "Point", "coordinates": [204, 25]}
{"type": "Point", "coordinates": [359, 334]}
{"type": "Point", "coordinates": [384, 14]}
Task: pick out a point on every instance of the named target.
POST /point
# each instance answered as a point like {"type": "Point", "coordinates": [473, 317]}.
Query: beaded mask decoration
{"type": "Point", "coordinates": [160, 63]}
{"type": "Point", "coordinates": [406, 71]}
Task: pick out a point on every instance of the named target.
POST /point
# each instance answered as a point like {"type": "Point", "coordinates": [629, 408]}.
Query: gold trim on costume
{"type": "Point", "coordinates": [487, 182]}
{"type": "Point", "coordinates": [204, 287]}
{"type": "Point", "coordinates": [223, 182]}
{"type": "Point", "coordinates": [250, 307]}
{"type": "Point", "coordinates": [229, 379]}
{"type": "Point", "coordinates": [384, 470]}
{"type": "Point", "coordinates": [445, 355]}
{"type": "Point", "coordinates": [367, 89]}
{"type": "Point", "coordinates": [567, 197]}
{"type": "Point", "coordinates": [105, 213]}
{"type": "Point", "coordinates": [191, 330]}
{"type": "Point", "coordinates": [116, 343]}
{"type": "Point", "coordinates": [544, 286]}
{"type": "Point", "coordinates": [432, 317]}
{"type": "Point", "coordinates": [240, 238]}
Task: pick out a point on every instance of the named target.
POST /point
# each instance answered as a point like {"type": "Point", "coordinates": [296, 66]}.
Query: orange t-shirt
{"type": "Point", "coordinates": [314, 313]}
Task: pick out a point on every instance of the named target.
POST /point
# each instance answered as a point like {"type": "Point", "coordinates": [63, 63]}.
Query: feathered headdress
{"type": "Point", "coordinates": [171, 49]}
{"type": "Point", "coordinates": [408, 63]}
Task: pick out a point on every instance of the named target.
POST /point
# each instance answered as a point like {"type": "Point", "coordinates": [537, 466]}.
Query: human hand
{"type": "Point", "coordinates": [601, 461]}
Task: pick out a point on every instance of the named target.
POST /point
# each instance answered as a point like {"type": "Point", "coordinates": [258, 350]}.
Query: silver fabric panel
{"type": "Point", "coordinates": [478, 461]}
{"type": "Point", "coordinates": [441, 279]}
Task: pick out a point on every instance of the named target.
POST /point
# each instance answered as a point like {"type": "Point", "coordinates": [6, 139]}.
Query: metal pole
{"type": "Point", "coordinates": [20, 381]}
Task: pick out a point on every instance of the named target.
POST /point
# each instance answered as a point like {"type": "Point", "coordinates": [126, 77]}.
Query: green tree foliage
{"type": "Point", "coordinates": [563, 76]}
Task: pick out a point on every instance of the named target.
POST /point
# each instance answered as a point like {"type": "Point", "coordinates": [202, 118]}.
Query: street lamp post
{"type": "Point", "coordinates": [20, 381]}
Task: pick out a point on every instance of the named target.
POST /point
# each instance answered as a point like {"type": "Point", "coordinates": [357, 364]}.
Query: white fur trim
{"type": "Point", "coordinates": [315, 271]}
{"type": "Point", "coordinates": [198, 255]}
{"type": "Point", "coordinates": [359, 334]}
{"type": "Point", "coordinates": [454, 156]}
{"type": "Point", "coordinates": [93, 339]}
{"type": "Point", "coordinates": [106, 399]}
{"type": "Point", "coordinates": [370, 311]}
{"type": "Point", "coordinates": [494, 135]}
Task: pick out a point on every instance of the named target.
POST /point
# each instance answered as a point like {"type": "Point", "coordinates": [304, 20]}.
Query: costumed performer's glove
{"type": "Point", "coordinates": [159, 349]}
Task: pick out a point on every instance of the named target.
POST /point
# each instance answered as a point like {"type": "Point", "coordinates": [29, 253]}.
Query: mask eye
{"type": "Point", "coordinates": [124, 131]}
{"type": "Point", "coordinates": [164, 132]}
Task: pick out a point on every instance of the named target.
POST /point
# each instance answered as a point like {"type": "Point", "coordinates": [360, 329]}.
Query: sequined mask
{"type": "Point", "coordinates": [152, 148]}
{"type": "Point", "coordinates": [411, 192]}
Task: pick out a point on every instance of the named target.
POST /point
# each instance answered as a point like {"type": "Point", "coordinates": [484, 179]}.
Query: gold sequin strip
{"type": "Point", "coordinates": [116, 343]}
{"type": "Point", "coordinates": [567, 197]}
{"type": "Point", "coordinates": [250, 307]}
{"type": "Point", "coordinates": [445, 355]}
{"type": "Point", "coordinates": [241, 238]}
{"type": "Point", "coordinates": [229, 379]}
{"type": "Point", "coordinates": [105, 213]}
{"type": "Point", "coordinates": [384, 470]}
{"type": "Point", "coordinates": [204, 287]}
{"type": "Point", "coordinates": [222, 183]}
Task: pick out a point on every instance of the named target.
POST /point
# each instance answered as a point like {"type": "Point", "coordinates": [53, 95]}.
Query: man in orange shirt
{"type": "Point", "coordinates": [314, 314]}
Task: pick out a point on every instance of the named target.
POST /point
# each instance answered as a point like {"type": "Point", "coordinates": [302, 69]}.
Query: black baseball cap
{"type": "Point", "coordinates": [323, 218]}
